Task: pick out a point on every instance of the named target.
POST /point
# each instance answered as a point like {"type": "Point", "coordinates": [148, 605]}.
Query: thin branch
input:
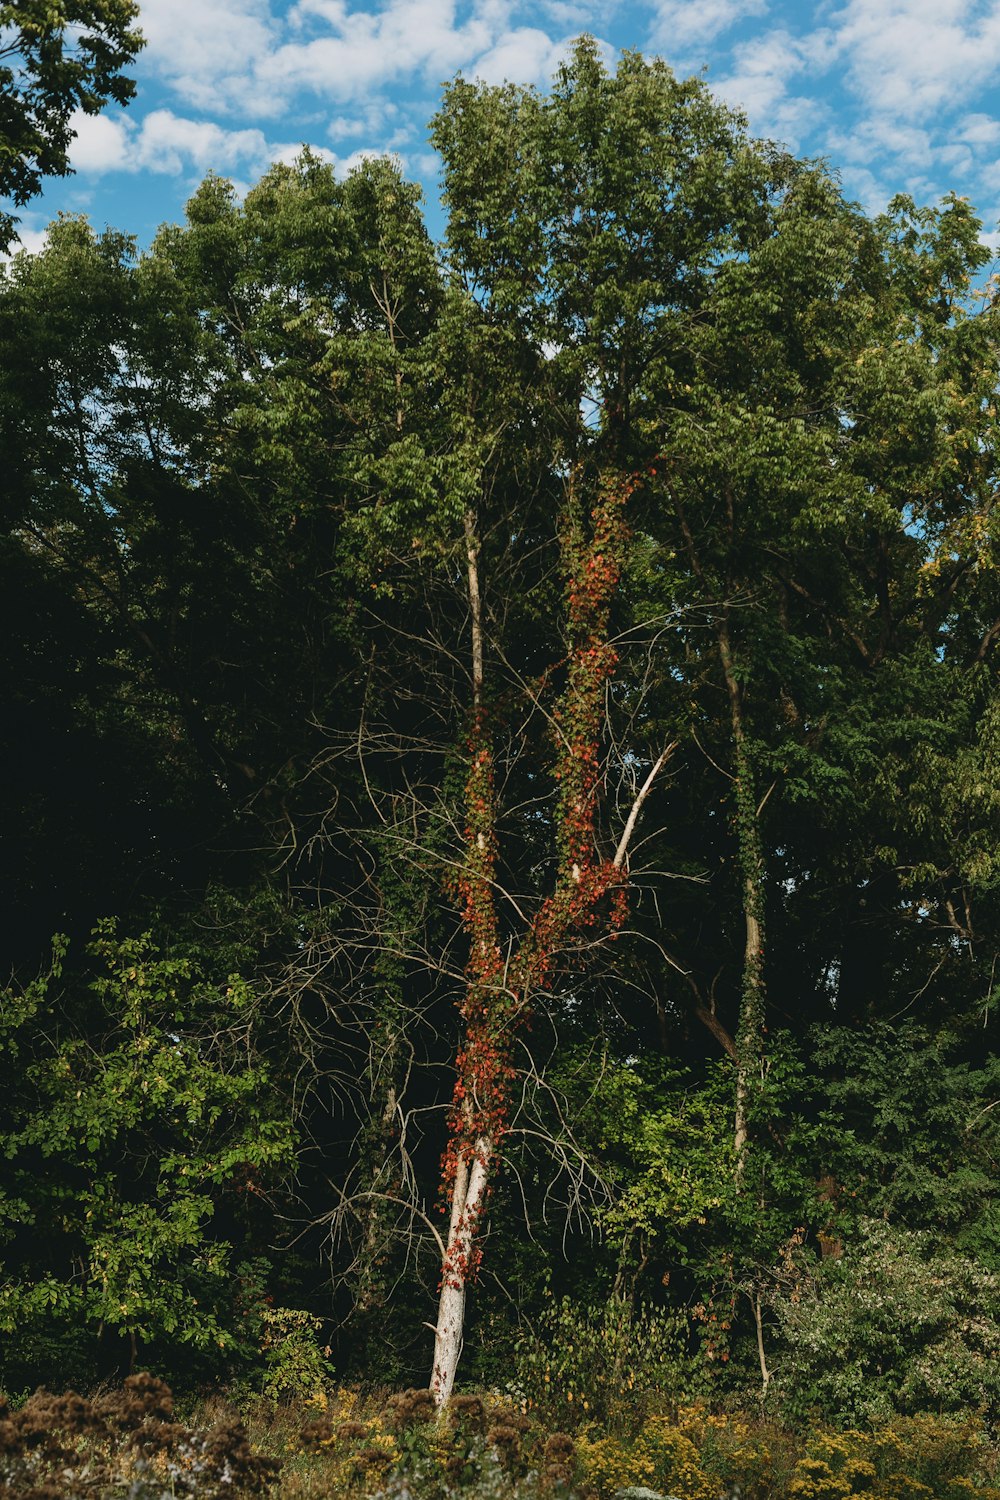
{"type": "Point", "coordinates": [641, 796]}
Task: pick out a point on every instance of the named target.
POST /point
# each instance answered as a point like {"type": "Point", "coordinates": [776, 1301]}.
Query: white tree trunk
{"type": "Point", "coordinates": [467, 1204]}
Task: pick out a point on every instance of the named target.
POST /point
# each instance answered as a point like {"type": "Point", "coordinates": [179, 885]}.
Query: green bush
{"type": "Point", "coordinates": [894, 1326]}
{"type": "Point", "coordinates": [140, 1130]}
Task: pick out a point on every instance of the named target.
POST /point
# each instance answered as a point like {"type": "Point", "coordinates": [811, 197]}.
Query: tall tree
{"type": "Point", "coordinates": [587, 226]}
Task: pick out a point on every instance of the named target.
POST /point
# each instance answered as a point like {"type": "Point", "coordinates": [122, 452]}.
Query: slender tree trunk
{"type": "Point", "coordinates": [481, 1083]}
{"type": "Point", "coordinates": [467, 1206]}
{"type": "Point", "coordinates": [750, 1030]}
{"type": "Point", "coordinates": [588, 888]}
{"type": "Point", "coordinates": [765, 1373]}
{"type": "Point", "coordinates": [372, 1285]}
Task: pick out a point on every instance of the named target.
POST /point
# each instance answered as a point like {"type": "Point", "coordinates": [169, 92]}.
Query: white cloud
{"type": "Point", "coordinates": [340, 164]}
{"type": "Point", "coordinates": [759, 86]}
{"type": "Point", "coordinates": [909, 145]}
{"type": "Point", "coordinates": [33, 240]}
{"type": "Point", "coordinates": [226, 55]}
{"type": "Point", "coordinates": [363, 49]}
{"type": "Point", "coordinates": [210, 51]}
{"type": "Point", "coordinates": [576, 15]}
{"type": "Point", "coordinates": [681, 25]}
{"type": "Point", "coordinates": [979, 131]}
{"type": "Point", "coordinates": [957, 157]}
{"type": "Point", "coordinates": [169, 145]}
{"type": "Point", "coordinates": [526, 55]}
{"type": "Point", "coordinates": [342, 128]}
{"type": "Point", "coordinates": [357, 157]}
{"type": "Point", "coordinates": [868, 189]}
{"type": "Point", "coordinates": [29, 240]}
{"type": "Point", "coordinates": [101, 144]}
{"type": "Point", "coordinates": [911, 57]}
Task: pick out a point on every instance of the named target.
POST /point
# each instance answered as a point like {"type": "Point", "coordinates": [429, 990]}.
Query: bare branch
{"type": "Point", "coordinates": [642, 794]}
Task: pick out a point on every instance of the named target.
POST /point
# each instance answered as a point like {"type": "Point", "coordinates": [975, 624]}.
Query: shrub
{"type": "Point", "coordinates": [294, 1363]}
{"type": "Point", "coordinates": [754, 1456]}
{"type": "Point", "coordinates": [923, 1458]}
{"type": "Point", "coordinates": [141, 1130]}
{"type": "Point", "coordinates": [895, 1326]}
{"type": "Point", "coordinates": [603, 1364]}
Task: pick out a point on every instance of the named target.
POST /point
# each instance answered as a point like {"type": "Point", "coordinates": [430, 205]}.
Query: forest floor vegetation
{"type": "Point", "coordinates": [378, 1445]}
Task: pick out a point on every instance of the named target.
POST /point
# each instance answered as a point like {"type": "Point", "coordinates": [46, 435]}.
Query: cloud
{"type": "Point", "coordinates": [101, 144]}
{"type": "Point", "coordinates": [30, 240]}
{"type": "Point", "coordinates": [909, 145]}
{"type": "Point", "coordinates": [981, 132]}
{"type": "Point", "coordinates": [225, 56]}
{"type": "Point", "coordinates": [576, 15]}
{"type": "Point", "coordinates": [164, 143]}
{"type": "Point", "coordinates": [680, 25]}
{"type": "Point", "coordinates": [759, 85]}
{"type": "Point", "coordinates": [911, 57]}
{"type": "Point", "coordinates": [355, 160]}
{"type": "Point", "coordinates": [209, 51]}
{"type": "Point", "coordinates": [526, 55]}
{"type": "Point", "coordinates": [33, 240]}
{"type": "Point", "coordinates": [170, 145]}
{"type": "Point", "coordinates": [364, 49]}
{"type": "Point", "coordinates": [342, 128]}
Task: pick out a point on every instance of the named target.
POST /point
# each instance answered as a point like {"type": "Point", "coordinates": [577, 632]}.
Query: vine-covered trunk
{"type": "Point", "coordinates": [480, 1098]}
{"type": "Point", "coordinates": [589, 891]}
{"type": "Point", "coordinates": [750, 853]}
{"type": "Point", "coordinates": [373, 1285]}
{"type": "Point", "coordinates": [467, 1205]}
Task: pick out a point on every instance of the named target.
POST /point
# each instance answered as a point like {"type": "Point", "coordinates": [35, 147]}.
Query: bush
{"type": "Point", "coordinates": [603, 1364]}
{"type": "Point", "coordinates": [661, 1456]}
{"type": "Point", "coordinates": [294, 1363]}
{"type": "Point", "coordinates": [925, 1458]}
{"type": "Point", "coordinates": [141, 1132]}
{"type": "Point", "coordinates": [895, 1326]}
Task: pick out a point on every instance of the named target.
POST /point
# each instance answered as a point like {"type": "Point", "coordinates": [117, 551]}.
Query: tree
{"type": "Point", "coordinates": [587, 227]}
{"type": "Point", "coordinates": [55, 60]}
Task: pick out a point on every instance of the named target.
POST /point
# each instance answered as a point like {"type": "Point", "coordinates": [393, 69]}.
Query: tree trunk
{"type": "Point", "coordinates": [750, 1030]}
{"type": "Point", "coordinates": [467, 1205]}
{"type": "Point", "coordinates": [481, 1085]}
{"type": "Point", "coordinates": [588, 888]}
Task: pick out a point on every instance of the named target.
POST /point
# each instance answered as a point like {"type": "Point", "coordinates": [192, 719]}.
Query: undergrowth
{"type": "Point", "coordinates": [130, 1444]}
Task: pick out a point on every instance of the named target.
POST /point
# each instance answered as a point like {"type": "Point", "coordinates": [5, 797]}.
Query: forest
{"type": "Point", "coordinates": [501, 822]}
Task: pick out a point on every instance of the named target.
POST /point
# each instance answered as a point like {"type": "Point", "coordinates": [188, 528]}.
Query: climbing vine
{"type": "Point", "coordinates": [499, 988]}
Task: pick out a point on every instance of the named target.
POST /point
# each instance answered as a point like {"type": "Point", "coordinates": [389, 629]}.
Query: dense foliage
{"type": "Point", "coordinates": [56, 60]}
{"type": "Point", "coordinates": [509, 729]}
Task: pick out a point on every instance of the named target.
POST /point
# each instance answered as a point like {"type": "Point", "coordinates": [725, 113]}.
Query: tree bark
{"type": "Point", "coordinates": [472, 1148]}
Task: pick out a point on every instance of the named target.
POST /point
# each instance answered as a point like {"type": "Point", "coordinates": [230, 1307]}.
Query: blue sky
{"type": "Point", "coordinates": [898, 95]}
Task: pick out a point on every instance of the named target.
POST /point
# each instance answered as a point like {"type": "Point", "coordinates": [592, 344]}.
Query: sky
{"type": "Point", "coordinates": [896, 95]}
